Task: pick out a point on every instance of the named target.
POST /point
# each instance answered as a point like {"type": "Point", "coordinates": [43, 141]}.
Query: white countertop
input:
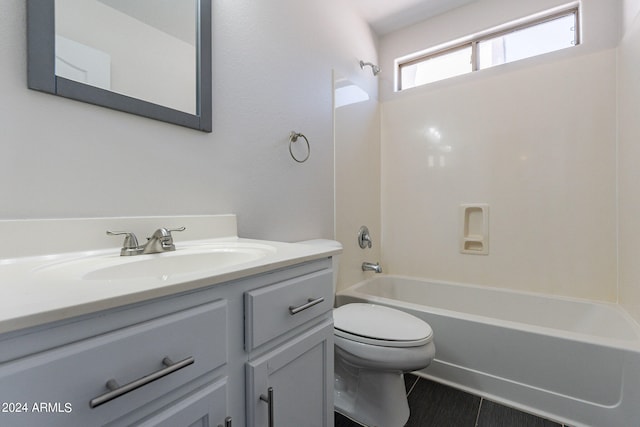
{"type": "Point", "coordinates": [30, 298]}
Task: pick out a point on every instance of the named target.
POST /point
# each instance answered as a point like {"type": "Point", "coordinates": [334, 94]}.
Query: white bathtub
{"type": "Point", "coordinates": [573, 361]}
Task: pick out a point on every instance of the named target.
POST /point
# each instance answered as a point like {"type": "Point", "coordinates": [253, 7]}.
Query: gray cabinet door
{"type": "Point", "coordinates": [300, 372]}
{"type": "Point", "coordinates": [206, 407]}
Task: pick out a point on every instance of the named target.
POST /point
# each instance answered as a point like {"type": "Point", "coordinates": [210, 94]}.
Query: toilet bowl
{"type": "Point", "coordinates": [374, 347]}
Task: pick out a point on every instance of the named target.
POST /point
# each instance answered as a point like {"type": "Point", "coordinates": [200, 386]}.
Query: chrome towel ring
{"type": "Point", "coordinates": [293, 137]}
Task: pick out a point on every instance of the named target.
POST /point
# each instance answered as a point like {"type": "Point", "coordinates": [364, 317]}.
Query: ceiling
{"type": "Point", "coordinates": [386, 16]}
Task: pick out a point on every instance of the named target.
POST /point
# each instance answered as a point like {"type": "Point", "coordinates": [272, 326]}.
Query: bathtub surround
{"type": "Point", "coordinates": [357, 175]}
{"type": "Point", "coordinates": [536, 140]}
{"type": "Point", "coordinates": [628, 158]}
{"type": "Point", "coordinates": [519, 142]}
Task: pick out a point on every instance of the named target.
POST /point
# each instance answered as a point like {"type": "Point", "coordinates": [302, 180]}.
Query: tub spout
{"type": "Point", "coordinates": [368, 266]}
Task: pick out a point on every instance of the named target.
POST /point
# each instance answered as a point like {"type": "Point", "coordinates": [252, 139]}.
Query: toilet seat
{"type": "Point", "coordinates": [382, 326]}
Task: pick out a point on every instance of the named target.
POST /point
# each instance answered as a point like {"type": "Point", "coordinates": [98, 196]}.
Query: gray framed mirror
{"type": "Point", "coordinates": [146, 57]}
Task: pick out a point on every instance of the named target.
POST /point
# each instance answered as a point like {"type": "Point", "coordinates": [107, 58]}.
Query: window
{"type": "Point", "coordinates": [536, 37]}
{"type": "Point", "coordinates": [439, 66]}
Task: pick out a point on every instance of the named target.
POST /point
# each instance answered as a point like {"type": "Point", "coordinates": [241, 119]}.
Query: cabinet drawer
{"type": "Point", "coordinates": [66, 379]}
{"type": "Point", "coordinates": [274, 310]}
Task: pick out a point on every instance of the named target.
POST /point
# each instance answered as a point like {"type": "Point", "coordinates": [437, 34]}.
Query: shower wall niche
{"type": "Point", "coordinates": [474, 225]}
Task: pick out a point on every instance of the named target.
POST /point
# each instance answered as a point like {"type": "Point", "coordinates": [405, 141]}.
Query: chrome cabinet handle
{"type": "Point", "coordinates": [116, 390]}
{"type": "Point", "coordinates": [269, 400]}
{"type": "Point", "coordinates": [311, 302]}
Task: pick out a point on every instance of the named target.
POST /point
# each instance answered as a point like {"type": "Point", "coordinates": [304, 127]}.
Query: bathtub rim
{"type": "Point", "coordinates": [618, 343]}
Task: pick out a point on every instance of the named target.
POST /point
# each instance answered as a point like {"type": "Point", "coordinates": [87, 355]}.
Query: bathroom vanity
{"type": "Point", "coordinates": [248, 343]}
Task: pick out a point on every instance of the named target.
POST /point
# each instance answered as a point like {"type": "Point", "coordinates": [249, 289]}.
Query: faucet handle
{"type": "Point", "coordinates": [169, 238]}
{"type": "Point", "coordinates": [130, 244]}
{"type": "Point", "coordinates": [164, 237]}
{"type": "Point", "coordinates": [364, 238]}
{"type": "Point", "coordinates": [165, 233]}
{"type": "Point", "coordinates": [171, 230]}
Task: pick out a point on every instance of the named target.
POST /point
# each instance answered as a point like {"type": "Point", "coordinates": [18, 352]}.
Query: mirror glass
{"type": "Point", "coordinates": [140, 48]}
{"type": "Point", "coordinates": [148, 57]}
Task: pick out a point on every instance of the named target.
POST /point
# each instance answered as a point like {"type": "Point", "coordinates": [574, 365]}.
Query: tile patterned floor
{"type": "Point", "coordinates": [436, 405]}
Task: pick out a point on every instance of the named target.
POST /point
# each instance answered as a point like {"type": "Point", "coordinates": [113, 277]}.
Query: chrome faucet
{"type": "Point", "coordinates": [368, 266]}
{"type": "Point", "coordinates": [160, 241]}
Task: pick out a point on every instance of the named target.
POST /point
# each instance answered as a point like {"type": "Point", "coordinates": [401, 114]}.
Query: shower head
{"type": "Point", "coordinates": [374, 68]}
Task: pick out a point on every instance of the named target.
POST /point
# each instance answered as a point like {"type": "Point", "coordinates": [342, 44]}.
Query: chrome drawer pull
{"type": "Point", "coordinates": [311, 302]}
{"type": "Point", "coordinates": [269, 399]}
{"type": "Point", "coordinates": [116, 390]}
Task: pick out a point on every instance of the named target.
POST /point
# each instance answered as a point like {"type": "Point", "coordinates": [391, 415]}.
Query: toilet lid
{"type": "Point", "coordinates": [379, 325]}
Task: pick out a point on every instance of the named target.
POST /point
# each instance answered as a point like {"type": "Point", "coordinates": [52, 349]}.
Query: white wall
{"type": "Point", "coordinates": [630, 10]}
{"type": "Point", "coordinates": [272, 74]}
{"type": "Point", "coordinates": [536, 140]}
{"type": "Point", "coordinates": [629, 158]}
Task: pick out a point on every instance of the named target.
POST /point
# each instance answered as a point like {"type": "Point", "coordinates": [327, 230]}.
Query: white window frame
{"type": "Point", "coordinates": [473, 41]}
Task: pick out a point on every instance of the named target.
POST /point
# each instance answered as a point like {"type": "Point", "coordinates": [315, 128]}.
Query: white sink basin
{"type": "Point", "coordinates": [186, 260]}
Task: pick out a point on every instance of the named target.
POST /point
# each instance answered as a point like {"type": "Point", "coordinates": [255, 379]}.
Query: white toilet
{"type": "Point", "coordinates": [374, 347]}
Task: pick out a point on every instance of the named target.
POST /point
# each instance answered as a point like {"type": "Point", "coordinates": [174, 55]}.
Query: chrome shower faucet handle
{"type": "Point", "coordinates": [364, 238]}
